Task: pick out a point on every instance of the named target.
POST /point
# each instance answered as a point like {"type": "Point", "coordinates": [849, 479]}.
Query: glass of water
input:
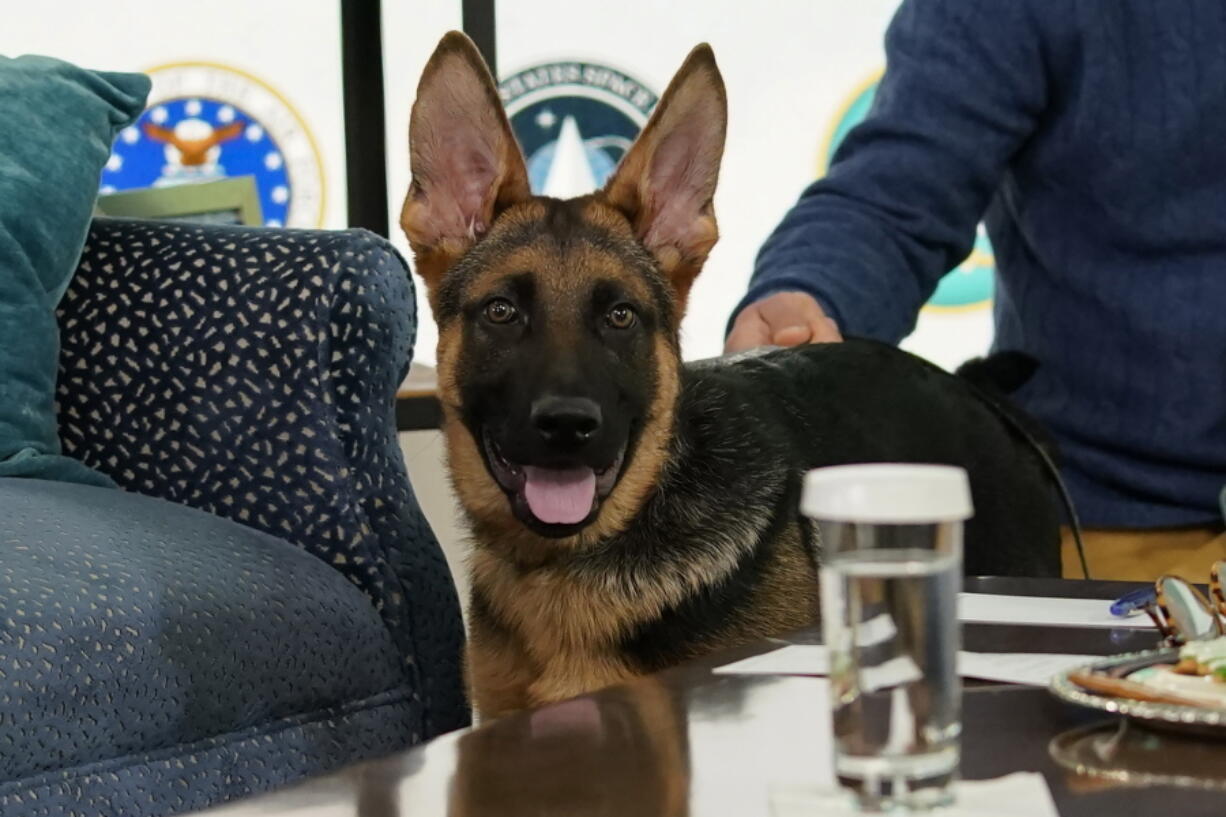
{"type": "Point", "coordinates": [891, 568]}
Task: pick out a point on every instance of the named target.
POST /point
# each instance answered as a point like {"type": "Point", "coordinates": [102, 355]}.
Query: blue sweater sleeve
{"type": "Point", "coordinates": [964, 87]}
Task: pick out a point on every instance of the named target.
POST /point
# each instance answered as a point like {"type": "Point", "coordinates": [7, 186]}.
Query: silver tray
{"type": "Point", "coordinates": [1194, 719]}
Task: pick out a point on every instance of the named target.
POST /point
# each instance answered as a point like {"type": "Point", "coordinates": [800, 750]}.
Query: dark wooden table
{"type": "Point", "coordinates": [692, 742]}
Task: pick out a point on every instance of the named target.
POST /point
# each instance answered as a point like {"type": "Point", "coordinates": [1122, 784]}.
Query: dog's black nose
{"type": "Point", "coordinates": [565, 420]}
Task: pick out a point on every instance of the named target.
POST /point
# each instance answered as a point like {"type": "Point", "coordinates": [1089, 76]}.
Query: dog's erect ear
{"type": "Point", "coordinates": [666, 182]}
{"type": "Point", "coordinates": [467, 166]}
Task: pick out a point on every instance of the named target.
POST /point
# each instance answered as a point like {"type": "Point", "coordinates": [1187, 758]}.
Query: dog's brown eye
{"type": "Point", "coordinates": [500, 310]}
{"type": "Point", "coordinates": [620, 317]}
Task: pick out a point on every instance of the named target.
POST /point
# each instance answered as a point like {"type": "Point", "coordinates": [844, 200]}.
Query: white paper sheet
{"type": "Point", "coordinates": [1021, 794]}
{"type": "Point", "coordinates": [794, 659]}
{"type": "Point", "coordinates": [1035, 669]}
{"type": "Point", "coordinates": [987, 608]}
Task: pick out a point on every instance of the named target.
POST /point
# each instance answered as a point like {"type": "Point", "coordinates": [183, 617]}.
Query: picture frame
{"type": "Point", "coordinates": [232, 200]}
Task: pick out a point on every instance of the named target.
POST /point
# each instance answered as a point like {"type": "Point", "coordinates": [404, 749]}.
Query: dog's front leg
{"type": "Point", "coordinates": [499, 672]}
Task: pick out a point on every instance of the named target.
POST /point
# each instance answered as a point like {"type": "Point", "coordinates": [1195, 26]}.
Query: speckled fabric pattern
{"type": "Point", "coordinates": [249, 373]}
{"type": "Point", "coordinates": [252, 373]}
{"type": "Point", "coordinates": [154, 657]}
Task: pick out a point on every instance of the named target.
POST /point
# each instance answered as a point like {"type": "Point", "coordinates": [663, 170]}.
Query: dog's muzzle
{"type": "Point", "coordinates": [555, 500]}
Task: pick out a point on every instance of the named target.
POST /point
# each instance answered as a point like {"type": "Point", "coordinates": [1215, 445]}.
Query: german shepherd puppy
{"type": "Point", "coordinates": [629, 511]}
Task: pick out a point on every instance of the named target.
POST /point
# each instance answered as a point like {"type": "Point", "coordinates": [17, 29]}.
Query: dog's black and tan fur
{"type": "Point", "coordinates": [558, 349]}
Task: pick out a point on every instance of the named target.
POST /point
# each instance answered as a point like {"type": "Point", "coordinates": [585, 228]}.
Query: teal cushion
{"type": "Point", "coordinates": [57, 123]}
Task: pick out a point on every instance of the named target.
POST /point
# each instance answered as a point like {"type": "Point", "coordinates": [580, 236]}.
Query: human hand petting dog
{"type": "Point", "coordinates": [782, 319]}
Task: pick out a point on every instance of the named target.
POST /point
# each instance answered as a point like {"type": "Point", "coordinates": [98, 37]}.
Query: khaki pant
{"type": "Point", "coordinates": [1144, 555]}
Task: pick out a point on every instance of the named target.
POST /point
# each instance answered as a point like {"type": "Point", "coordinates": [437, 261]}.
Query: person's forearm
{"type": "Point", "coordinates": [965, 86]}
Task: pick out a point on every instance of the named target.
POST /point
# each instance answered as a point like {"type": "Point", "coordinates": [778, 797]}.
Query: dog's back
{"type": "Point", "coordinates": [862, 401]}
{"type": "Point", "coordinates": [722, 530]}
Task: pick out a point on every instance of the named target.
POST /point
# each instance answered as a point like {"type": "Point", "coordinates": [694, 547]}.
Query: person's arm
{"type": "Point", "coordinates": [965, 85]}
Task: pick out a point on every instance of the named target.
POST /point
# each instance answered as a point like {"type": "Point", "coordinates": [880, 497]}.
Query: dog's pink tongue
{"type": "Point", "coordinates": [559, 496]}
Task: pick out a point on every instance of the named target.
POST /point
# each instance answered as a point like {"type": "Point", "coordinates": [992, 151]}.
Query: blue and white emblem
{"type": "Point", "coordinates": [206, 122]}
{"type": "Point", "coordinates": [574, 121]}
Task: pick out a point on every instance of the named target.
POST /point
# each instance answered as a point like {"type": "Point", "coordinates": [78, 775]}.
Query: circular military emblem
{"type": "Point", "coordinates": [969, 285]}
{"type": "Point", "coordinates": [206, 122]}
{"type": "Point", "coordinates": [574, 121]}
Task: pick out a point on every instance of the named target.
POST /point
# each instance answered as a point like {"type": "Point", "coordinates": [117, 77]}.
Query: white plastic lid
{"type": "Point", "coordinates": [892, 493]}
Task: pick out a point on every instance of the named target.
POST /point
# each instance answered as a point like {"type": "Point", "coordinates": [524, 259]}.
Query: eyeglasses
{"type": "Point", "coordinates": [1178, 609]}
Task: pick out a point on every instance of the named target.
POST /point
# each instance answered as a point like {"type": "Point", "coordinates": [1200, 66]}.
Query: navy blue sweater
{"type": "Point", "coordinates": [1090, 135]}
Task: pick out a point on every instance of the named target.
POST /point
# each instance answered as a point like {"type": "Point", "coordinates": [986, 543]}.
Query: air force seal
{"type": "Point", "coordinates": [971, 284]}
{"type": "Point", "coordinates": [574, 121]}
{"type": "Point", "coordinates": [206, 122]}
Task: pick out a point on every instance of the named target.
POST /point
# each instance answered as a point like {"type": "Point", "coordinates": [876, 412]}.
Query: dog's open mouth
{"type": "Point", "coordinates": [554, 500]}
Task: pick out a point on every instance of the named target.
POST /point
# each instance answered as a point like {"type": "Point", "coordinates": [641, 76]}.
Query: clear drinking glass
{"type": "Point", "coordinates": [891, 568]}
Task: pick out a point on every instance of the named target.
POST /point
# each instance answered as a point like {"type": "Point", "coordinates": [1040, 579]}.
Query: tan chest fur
{"type": "Point", "coordinates": [562, 638]}
{"type": "Point", "coordinates": [562, 633]}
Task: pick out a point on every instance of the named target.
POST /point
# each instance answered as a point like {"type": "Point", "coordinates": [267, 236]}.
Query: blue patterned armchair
{"type": "Point", "coordinates": [263, 600]}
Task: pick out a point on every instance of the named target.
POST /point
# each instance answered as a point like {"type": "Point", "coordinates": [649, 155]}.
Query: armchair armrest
{"type": "Point", "coordinates": [251, 372]}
